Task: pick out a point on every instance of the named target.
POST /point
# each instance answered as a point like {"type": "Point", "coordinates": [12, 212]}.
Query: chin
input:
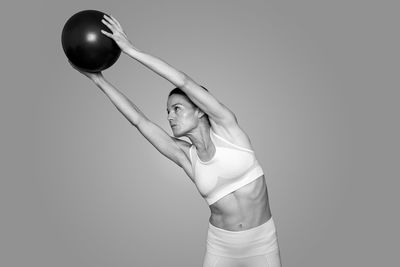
{"type": "Point", "coordinates": [178, 133]}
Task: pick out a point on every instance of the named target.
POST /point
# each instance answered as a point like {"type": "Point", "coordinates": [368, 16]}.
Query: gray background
{"type": "Point", "coordinates": [314, 84]}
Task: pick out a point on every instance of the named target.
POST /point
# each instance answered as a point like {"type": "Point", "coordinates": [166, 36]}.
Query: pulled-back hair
{"type": "Point", "coordinates": [178, 91]}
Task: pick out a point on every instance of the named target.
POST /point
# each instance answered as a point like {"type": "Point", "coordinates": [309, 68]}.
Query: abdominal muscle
{"type": "Point", "coordinates": [242, 209]}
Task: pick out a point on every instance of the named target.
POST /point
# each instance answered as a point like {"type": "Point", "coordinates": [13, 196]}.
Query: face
{"type": "Point", "coordinates": [183, 116]}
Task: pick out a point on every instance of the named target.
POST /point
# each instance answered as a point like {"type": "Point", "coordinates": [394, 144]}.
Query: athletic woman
{"type": "Point", "coordinates": [219, 160]}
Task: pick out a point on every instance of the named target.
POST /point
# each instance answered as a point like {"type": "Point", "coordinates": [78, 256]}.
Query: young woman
{"type": "Point", "coordinates": [219, 160]}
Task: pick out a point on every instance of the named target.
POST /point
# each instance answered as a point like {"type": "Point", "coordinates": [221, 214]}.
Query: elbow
{"type": "Point", "coordinates": [183, 80]}
{"type": "Point", "coordinates": [139, 121]}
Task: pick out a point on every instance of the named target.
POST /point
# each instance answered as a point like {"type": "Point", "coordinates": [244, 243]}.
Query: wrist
{"type": "Point", "coordinates": [97, 79]}
{"type": "Point", "coordinates": [131, 51]}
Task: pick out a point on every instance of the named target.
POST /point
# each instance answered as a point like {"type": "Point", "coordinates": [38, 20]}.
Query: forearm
{"type": "Point", "coordinates": [159, 66]}
{"type": "Point", "coordinates": [121, 102]}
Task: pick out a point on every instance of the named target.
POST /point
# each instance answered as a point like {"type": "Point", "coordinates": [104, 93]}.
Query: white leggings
{"type": "Point", "coordinates": [255, 247]}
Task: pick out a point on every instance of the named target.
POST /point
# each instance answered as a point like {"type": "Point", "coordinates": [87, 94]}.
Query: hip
{"type": "Point", "coordinates": [260, 240]}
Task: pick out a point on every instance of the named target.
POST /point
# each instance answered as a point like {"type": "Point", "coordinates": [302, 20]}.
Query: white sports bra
{"type": "Point", "coordinates": [231, 168]}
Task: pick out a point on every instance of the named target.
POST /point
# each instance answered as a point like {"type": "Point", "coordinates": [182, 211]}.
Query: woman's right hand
{"type": "Point", "coordinates": [94, 76]}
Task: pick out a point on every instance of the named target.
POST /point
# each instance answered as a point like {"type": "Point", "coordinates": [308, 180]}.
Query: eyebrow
{"type": "Point", "coordinates": [174, 105]}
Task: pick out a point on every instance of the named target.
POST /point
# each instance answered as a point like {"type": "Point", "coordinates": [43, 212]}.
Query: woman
{"type": "Point", "coordinates": [219, 160]}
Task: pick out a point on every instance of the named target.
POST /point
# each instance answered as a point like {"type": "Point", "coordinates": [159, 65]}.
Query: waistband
{"type": "Point", "coordinates": [239, 244]}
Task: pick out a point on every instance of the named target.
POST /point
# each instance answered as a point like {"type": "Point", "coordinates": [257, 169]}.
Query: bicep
{"type": "Point", "coordinates": [163, 142]}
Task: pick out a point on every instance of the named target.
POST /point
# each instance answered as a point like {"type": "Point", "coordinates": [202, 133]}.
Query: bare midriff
{"type": "Point", "coordinates": [245, 208]}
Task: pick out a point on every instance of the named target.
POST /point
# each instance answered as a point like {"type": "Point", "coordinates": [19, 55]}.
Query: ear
{"type": "Point", "coordinates": [200, 113]}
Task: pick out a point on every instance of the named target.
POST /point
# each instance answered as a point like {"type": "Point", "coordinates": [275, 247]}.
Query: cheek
{"type": "Point", "coordinates": [189, 117]}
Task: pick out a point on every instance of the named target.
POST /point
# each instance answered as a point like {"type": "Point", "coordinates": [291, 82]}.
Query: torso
{"type": "Point", "coordinates": [245, 208]}
{"type": "Point", "coordinates": [242, 209]}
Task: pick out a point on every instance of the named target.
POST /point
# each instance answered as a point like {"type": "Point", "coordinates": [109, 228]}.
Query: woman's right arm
{"type": "Point", "coordinates": [169, 146]}
{"type": "Point", "coordinates": [131, 112]}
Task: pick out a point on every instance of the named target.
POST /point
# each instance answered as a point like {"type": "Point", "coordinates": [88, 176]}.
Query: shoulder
{"type": "Point", "coordinates": [233, 133]}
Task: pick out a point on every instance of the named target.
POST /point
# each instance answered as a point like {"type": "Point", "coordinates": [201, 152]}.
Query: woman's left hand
{"type": "Point", "coordinates": [118, 34]}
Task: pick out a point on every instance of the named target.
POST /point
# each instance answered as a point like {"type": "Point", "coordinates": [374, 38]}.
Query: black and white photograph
{"type": "Point", "coordinates": [207, 133]}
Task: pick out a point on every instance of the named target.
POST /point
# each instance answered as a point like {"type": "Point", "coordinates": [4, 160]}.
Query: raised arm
{"type": "Point", "coordinates": [171, 147]}
{"type": "Point", "coordinates": [216, 111]}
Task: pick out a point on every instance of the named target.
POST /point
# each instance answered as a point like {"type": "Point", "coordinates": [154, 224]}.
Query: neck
{"type": "Point", "coordinates": [200, 138]}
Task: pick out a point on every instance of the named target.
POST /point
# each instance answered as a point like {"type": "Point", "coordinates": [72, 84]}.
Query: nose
{"type": "Point", "coordinates": [170, 116]}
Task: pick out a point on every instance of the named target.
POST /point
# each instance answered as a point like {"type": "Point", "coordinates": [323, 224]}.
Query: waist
{"type": "Point", "coordinates": [254, 241]}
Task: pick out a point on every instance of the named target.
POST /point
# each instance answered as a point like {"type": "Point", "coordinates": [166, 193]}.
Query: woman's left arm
{"type": "Point", "coordinates": [216, 111]}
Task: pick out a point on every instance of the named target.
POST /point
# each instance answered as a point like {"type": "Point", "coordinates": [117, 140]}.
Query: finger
{"type": "Point", "coordinates": [116, 21]}
{"type": "Point", "coordinates": [113, 21]}
{"type": "Point", "coordinates": [106, 33]}
{"type": "Point", "coordinates": [111, 27]}
{"type": "Point", "coordinates": [109, 20]}
{"type": "Point", "coordinates": [72, 64]}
